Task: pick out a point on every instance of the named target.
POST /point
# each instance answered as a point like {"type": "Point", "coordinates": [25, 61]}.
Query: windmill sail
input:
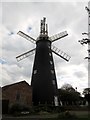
{"type": "Point", "coordinates": [26, 37]}
{"type": "Point", "coordinates": [60, 53]}
{"type": "Point", "coordinates": [58, 36]}
{"type": "Point", "coordinates": [26, 54]}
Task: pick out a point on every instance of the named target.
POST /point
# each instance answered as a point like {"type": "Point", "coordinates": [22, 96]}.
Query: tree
{"type": "Point", "coordinates": [68, 95]}
{"type": "Point", "coordinates": [86, 93]}
{"type": "Point", "coordinates": [67, 87]}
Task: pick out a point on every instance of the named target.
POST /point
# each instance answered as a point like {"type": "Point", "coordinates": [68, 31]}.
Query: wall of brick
{"type": "Point", "coordinates": [20, 92]}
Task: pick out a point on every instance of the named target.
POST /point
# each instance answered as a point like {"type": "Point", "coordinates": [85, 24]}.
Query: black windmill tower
{"type": "Point", "coordinates": [43, 81]}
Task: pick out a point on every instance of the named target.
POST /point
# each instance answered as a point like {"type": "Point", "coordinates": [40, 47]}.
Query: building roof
{"type": "Point", "coordinates": [10, 85]}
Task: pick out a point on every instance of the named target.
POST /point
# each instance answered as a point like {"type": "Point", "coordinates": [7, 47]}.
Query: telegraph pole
{"type": "Point", "coordinates": [88, 10]}
{"type": "Point", "coordinates": [89, 44]}
{"type": "Point", "coordinates": [87, 41]}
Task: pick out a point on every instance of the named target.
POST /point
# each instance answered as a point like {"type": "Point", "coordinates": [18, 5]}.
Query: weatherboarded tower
{"type": "Point", "coordinates": [43, 81]}
{"type": "Point", "coordinates": [44, 85]}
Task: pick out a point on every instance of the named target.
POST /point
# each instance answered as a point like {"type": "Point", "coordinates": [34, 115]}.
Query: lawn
{"type": "Point", "coordinates": [71, 115]}
{"type": "Point", "coordinates": [74, 115]}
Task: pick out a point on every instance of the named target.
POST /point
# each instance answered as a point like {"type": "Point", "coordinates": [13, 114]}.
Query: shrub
{"type": "Point", "coordinates": [67, 116]}
{"type": "Point", "coordinates": [18, 108]}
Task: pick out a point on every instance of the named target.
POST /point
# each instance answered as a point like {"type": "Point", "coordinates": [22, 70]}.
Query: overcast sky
{"type": "Point", "coordinates": [61, 16]}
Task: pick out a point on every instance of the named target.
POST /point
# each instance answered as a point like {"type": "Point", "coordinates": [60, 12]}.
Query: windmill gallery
{"type": "Point", "coordinates": [43, 81]}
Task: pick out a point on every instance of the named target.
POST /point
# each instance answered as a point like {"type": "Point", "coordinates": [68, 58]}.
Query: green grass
{"type": "Point", "coordinates": [75, 115]}
{"type": "Point", "coordinates": [68, 115]}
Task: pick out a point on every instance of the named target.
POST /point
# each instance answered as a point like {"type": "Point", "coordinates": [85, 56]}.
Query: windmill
{"type": "Point", "coordinates": [43, 81]}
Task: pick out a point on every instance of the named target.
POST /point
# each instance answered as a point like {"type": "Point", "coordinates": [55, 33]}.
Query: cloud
{"type": "Point", "coordinates": [80, 74]}
{"type": "Point", "coordinates": [29, 29]}
{"type": "Point", "coordinates": [46, 1]}
{"type": "Point", "coordinates": [24, 16]}
{"type": "Point", "coordinates": [2, 61]}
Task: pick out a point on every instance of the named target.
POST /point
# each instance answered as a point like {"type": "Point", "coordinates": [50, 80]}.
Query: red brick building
{"type": "Point", "coordinates": [20, 92]}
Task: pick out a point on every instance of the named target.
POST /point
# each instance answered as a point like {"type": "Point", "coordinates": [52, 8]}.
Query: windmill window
{"type": "Point", "coordinates": [49, 46]}
{"type": "Point", "coordinates": [48, 43]}
{"type": "Point", "coordinates": [51, 62]}
{"type": "Point", "coordinates": [52, 71]}
{"type": "Point", "coordinates": [35, 71]}
{"type": "Point", "coordinates": [53, 82]}
{"type": "Point", "coordinates": [49, 54]}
